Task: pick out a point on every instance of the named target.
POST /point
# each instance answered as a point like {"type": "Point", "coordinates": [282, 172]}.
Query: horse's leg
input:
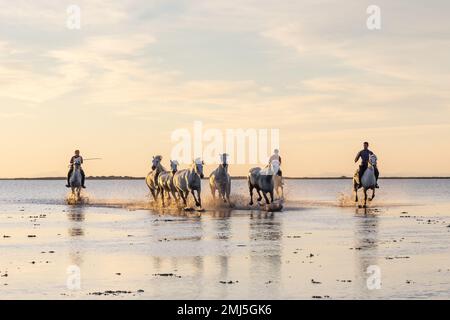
{"type": "Point", "coordinates": [174, 195]}
{"type": "Point", "coordinates": [266, 198]}
{"type": "Point", "coordinates": [277, 189]}
{"type": "Point", "coordinates": [153, 194]}
{"type": "Point", "coordinates": [158, 191]}
{"type": "Point", "coordinates": [365, 197]}
{"type": "Point", "coordinates": [223, 195]}
{"type": "Point", "coordinates": [183, 197]}
{"type": "Point", "coordinates": [373, 194]}
{"type": "Point", "coordinates": [250, 187]}
{"type": "Point", "coordinates": [168, 196]}
{"type": "Point", "coordinates": [355, 188]}
{"type": "Point", "coordinates": [162, 196]}
{"type": "Point", "coordinates": [213, 192]}
{"type": "Point", "coordinates": [271, 196]}
{"type": "Point", "coordinates": [186, 195]}
{"type": "Point", "coordinates": [195, 199]}
{"type": "Point", "coordinates": [199, 198]}
{"type": "Point", "coordinates": [258, 191]}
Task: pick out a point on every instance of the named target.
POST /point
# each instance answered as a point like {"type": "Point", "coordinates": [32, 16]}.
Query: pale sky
{"type": "Point", "coordinates": [138, 70]}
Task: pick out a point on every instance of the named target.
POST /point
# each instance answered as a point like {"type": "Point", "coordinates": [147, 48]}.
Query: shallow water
{"type": "Point", "coordinates": [319, 246]}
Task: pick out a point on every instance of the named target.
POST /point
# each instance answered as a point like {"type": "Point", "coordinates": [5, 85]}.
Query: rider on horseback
{"type": "Point", "coordinates": [72, 161]}
{"type": "Point", "coordinates": [276, 156]}
{"type": "Point", "coordinates": [364, 155]}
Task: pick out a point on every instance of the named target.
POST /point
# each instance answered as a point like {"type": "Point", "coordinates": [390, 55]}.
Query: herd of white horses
{"type": "Point", "coordinates": [179, 184]}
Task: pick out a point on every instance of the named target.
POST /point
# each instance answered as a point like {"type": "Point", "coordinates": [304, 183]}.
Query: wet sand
{"type": "Point", "coordinates": [312, 250]}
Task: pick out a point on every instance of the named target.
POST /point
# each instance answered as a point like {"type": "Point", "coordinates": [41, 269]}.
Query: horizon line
{"type": "Point", "coordinates": [233, 177]}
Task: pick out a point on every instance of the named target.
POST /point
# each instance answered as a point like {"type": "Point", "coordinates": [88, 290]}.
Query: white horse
{"type": "Point", "coordinates": [368, 180]}
{"type": "Point", "coordinates": [165, 182]}
{"type": "Point", "coordinates": [220, 180]}
{"type": "Point", "coordinates": [263, 181]}
{"type": "Point", "coordinates": [75, 180]}
{"type": "Point", "coordinates": [152, 178]}
{"type": "Point", "coordinates": [189, 180]}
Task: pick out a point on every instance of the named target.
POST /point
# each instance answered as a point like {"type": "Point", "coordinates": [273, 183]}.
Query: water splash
{"type": "Point", "coordinates": [71, 199]}
{"type": "Point", "coordinates": [345, 200]}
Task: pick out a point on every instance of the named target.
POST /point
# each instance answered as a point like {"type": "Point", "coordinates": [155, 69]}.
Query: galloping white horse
{"type": "Point", "coordinates": [75, 180]}
{"type": "Point", "coordinates": [189, 180]}
{"type": "Point", "coordinates": [165, 182]}
{"type": "Point", "coordinates": [368, 180]}
{"type": "Point", "coordinates": [263, 181]}
{"type": "Point", "coordinates": [220, 180]}
{"type": "Point", "coordinates": [152, 178]}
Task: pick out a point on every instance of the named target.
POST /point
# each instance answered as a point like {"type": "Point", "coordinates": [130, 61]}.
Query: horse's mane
{"type": "Point", "coordinates": [159, 157]}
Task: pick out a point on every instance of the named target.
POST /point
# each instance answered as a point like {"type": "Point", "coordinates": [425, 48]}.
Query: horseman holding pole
{"type": "Point", "coordinates": [77, 157]}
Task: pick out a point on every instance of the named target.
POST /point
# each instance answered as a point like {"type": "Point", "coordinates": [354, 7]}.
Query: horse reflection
{"type": "Point", "coordinates": [265, 238]}
{"type": "Point", "coordinates": [366, 248]}
{"type": "Point", "coordinates": [76, 217]}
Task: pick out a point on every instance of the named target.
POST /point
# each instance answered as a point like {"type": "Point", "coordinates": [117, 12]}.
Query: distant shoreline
{"type": "Point", "coordinates": [234, 178]}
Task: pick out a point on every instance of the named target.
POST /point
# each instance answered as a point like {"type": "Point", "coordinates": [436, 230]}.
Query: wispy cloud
{"type": "Point", "coordinates": [310, 68]}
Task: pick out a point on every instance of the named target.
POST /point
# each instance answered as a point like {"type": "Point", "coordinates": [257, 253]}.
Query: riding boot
{"type": "Point", "coordinates": [362, 169]}
{"type": "Point", "coordinates": [377, 174]}
{"type": "Point", "coordinates": [82, 179]}
{"type": "Point", "coordinates": [68, 178]}
{"type": "Point", "coordinates": [359, 178]}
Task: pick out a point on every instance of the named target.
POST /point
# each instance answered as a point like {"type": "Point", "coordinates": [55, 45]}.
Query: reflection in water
{"type": "Point", "coordinates": [265, 251]}
{"type": "Point", "coordinates": [223, 230]}
{"type": "Point", "coordinates": [76, 217]}
{"type": "Point", "coordinates": [189, 234]}
{"type": "Point", "coordinates": [366, 245]}
{"type": "Point", "coordinates": [221, 217]}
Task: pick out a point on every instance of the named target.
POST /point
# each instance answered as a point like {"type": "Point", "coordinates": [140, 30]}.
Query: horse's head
{"type": "Point", "coordinates": [156, 161]}
{"type": "Point", "coordinates": [275, 166]}
{"type": "Point", "coordinates": [224, 160]}
{"type": "Point", "coordinates": [174, 165]}
{"type": "Point", "coordinates": [198, 167]}
{"type": "Point", "coordinates": [373, 160]}
{"type": "Point", "coordinates": [77, 163]}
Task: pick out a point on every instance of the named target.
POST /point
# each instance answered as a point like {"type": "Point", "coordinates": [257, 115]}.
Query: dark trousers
{"type": "Point", "coordinates": [70, 174]}
{"type": "Point", "coordinates": [362, 169]}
